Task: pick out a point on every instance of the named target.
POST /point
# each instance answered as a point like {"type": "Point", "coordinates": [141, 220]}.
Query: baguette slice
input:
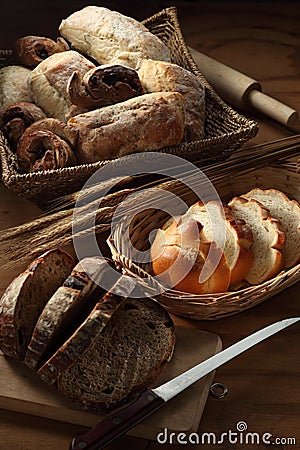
{"type": "Point", "coordinates": [126, 357]}
{"type": "Point", "coordinates": [268, 239]}
{"type": "Point", "coordinates": [25, 298]}
{"type": "Point", "coordinates": [288, 212]}
{"type": "Point", "coordinates": [71, 302]}
{"type": "Point", "coordinates": [83, 336]}
{"type": "Point", "coordinates": [238, 236]}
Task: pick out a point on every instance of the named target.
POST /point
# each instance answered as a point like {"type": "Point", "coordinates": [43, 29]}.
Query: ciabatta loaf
{"type": "Point", "coordinates": [13, 86]}
{"type": "Point", "coordinates": [288, 212]}
{"type": "Point", "coordinates": [124, 358]}
{"type": "Point", "coordinates": [268, 239]}
{"type": "Point", "coordinates": [111, 38]}
{"type": "Point", "coordinates": [25, 298]}
{"type": "Point", "coordinates": [157, 76]}
{"type": "Point", "coordinates": [145, 123]}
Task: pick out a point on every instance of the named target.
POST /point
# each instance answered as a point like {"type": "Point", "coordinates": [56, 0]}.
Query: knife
{"type": "Point", "coordinates": [151, 400]}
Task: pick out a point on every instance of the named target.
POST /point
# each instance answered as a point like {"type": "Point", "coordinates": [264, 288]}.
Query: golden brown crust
{"type": "Point", "coordinates": [144, 123]}
{"type": "Point", "coordinates": [31, 50]}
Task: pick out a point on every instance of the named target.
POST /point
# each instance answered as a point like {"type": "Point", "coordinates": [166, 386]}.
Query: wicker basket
{"type": "Point", "coordinates": [225, 130]}
{"type": "Point", "coordinates": [209, 306]}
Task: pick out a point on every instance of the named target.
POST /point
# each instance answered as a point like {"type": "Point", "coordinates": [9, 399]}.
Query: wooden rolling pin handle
{"type": "Point", "coordinates": [242, 91]}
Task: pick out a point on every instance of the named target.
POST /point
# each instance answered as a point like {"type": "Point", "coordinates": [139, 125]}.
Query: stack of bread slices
{"type": "Point", "coordinates": [100, 348]}
{"type": "Point", "coordinates": [248, 241]}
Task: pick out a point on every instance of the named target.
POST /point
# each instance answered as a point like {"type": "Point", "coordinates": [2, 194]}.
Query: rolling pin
{"type": "Point", "coordinates": [244, 92]}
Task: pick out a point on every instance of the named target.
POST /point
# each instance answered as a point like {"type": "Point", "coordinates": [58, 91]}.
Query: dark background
{"type": "Point", "coordinates": [39, 17]}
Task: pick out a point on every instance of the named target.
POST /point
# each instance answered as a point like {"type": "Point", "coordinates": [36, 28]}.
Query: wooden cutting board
{"type": "Point", "coordinates": [22, 391]}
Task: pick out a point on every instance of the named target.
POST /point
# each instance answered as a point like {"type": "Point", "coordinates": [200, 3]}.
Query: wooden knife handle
{"type": "Point", "coordinates": [118, 423]}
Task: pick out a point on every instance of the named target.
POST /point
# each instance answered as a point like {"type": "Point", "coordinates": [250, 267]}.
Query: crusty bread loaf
{"type": "Point", "coordinates": [147, 122]}
{"type": "Point", "coordinates": [159, 76]}
{"type": "Point", "coordinates": [268, 239]}
{"type": "Point", "coordinates": [288, 213]}
{"type": "Point", "coordinates": [180, 255]}
{"type": "Point", "coordinates": [111, 38]}
{"type": "Point", "coordinates": [71, 303]}
{"type": "Point", "coordinates": [13, 86]}
{"type": "Point", "coordinates": [238, 236]}
{"type": "Point", "coordinates": [25, 298]}
{"type": "Point", "coordinates": [48, 83]}
{"type": "Point", "coordinates": [124, 358]}
{"type": "Point", "coordinates": [83, 336]}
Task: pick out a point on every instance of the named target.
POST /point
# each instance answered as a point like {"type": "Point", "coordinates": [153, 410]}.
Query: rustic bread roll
{"type": "Point", "coordinates": [16, 118]}
{"type": "Point", "coordinates": [127, 356]}
{"type": "Point", "coordinates": [158, 76]}
{"type": "Point", "coordinates": [71, 302]}
{"type": "Point", "coordinates": [288, 213]}
{"type": "Point", "coordinates": [25, 298]}
{"type": "Point", "coordinates": [178, 255]}
{"type": "Point", "coordinates": [147, 122]}
{"type": "Point", "coordinates": [13, 86]}
{"type": "Point", "coordinates": [238, 236]}
{"type": "Point", "coordinates": [268, 239]}
{"type": "Point", "coordinates": [111, 38]}
{"type": "Point", "coordinates": [48, 83]}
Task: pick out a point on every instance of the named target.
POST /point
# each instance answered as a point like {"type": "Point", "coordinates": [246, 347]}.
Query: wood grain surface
{"type": "Point", "coordinates": [261, 39]}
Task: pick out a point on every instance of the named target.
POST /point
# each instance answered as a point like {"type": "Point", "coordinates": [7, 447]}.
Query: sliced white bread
{"type": "Point", "coordinates": [25, 298]}
{"type": "Point", "coordinates": [268, 239]}
{"type": "Point", "coordinates": [71, 303]}
{"type": "Point", "coordinates": [82, 337]}
{"type": "Point", "coordinates": [124, 358]}
{"type": "Point", "coordinates": [219, 224]}
{"type": "Point", "coordinates": [288, 212]}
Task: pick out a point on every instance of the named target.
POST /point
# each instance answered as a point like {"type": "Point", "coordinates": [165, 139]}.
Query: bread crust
{"type": "Point", "coordinates": [109, 37]}
{"type": "Point", "coordinates": [147, 122]}
{"type": "Point", "coordinates": [13, 86]}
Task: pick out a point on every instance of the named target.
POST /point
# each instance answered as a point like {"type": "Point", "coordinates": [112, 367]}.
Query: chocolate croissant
{"type": "Point", "coordinates": [103, 86]}
{"type": "Point", "coordinates": [158, 76]}
{"type": "Point", "coordinates": [147, 122]}
{"type": "Point", "coordinates": [13, 86]}
{"type": "Point", "coordinates": [111, 38]}
{"type": "Point", "coordinates": [49, 80]}
{"type": "Point", "coordinates": [16, 118]}
{"type": "Point", "coordinates": [47, 144]}
{"type": "Point", "coordinates": [31, 50]}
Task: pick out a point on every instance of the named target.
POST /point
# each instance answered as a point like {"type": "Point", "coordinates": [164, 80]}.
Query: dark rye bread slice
{"type": "Point", "coordinates": [84, 335]}
{"type": "Point", "coordinates": [72, 302]}
{"type": "Point", "coordinates": [124, 358]}
{"type": "Point", "coordinates": [25, 298]}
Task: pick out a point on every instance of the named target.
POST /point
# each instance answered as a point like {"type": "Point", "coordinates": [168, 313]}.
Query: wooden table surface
{"type": "Point", "coordinates": [263, 40]}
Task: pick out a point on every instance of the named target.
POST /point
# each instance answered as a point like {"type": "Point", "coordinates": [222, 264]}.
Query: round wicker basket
{"type": "Point", "coordinates": [209, 306]}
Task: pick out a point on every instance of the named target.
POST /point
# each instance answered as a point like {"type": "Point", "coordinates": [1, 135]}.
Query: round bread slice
{"type": "Point", "coordinates": [25, 298]}
{"type": "Point", "coordinates": [268, 239]}
{"type": "Point", "coordinates": [125, 358]}
{"type": "Point", "coordinates": [81, 338]}
{"type": "Point", "coordinates": [71, 303]}
{"type": "Point", "coordinates": [238, 236]}
{"type": "Point", "coordinates": [288, 212]}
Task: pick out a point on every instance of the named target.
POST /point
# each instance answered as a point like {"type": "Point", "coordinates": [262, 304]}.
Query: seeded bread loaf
{"type": "Point", "coordinates": [69, 305]}
{"type": "Point", "coordinates": [86, 332]}
{"type": "Point", "coordinates": [25, 298]}
{"type": "Point", "coordinates": [288, 212]}
{"type": "Point", "coordinates": [268, 239]}
{"type": "Point", "coordinates": [126, 356]}
{"type": "Point", "coordinates": [111, 38]}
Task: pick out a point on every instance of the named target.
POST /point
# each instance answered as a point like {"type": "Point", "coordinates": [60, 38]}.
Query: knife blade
{"type": "Point", "coordinates": [151, 400]}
